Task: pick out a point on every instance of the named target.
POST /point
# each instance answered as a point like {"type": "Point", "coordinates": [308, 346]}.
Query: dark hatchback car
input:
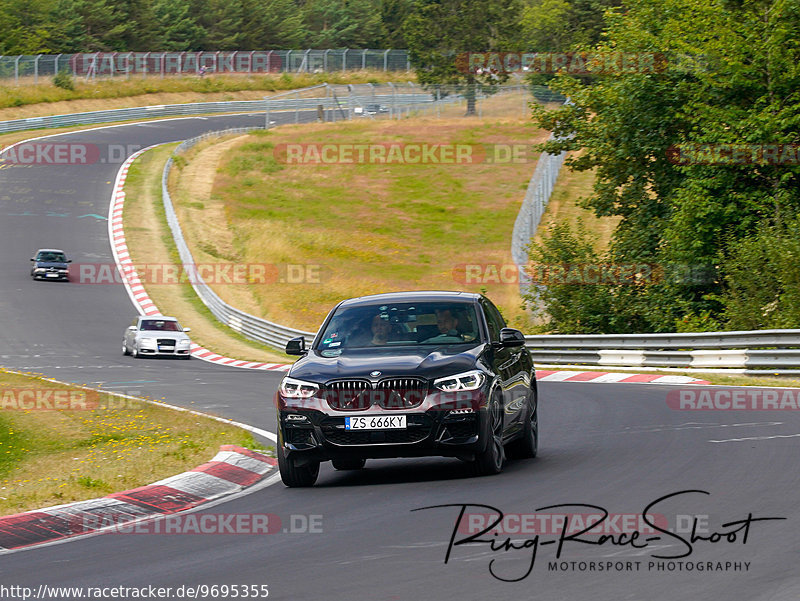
{"type": "Point", "coordinates": [50, 264]}
{"type": "Point", "coordinates": [407, 374]}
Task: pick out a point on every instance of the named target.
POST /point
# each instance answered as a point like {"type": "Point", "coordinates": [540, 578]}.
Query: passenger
{"type": "Point", "coordinates": [376, 333]}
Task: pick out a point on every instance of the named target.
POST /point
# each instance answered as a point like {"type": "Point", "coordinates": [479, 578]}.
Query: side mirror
{"type": "Point", "coordinates": [509, 337]}
{"type": "Point", "coordinates": [33, 258]}
{"type": "Point", "coordinates": [69, 260]}
{"type": "Point", "coordinates": [132, 328]}
{"type": "Point", "coordinates": [296, 346]}
{"type": "Point", "coordinates": [187, 329]}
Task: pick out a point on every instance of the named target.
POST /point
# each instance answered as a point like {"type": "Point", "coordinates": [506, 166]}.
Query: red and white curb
{"type": "Point", "coordinates": [138, 295]}
{"type": "Point", "coordinates": [232, 470]}
{"type": "Point", "coordinates": [604, 377]}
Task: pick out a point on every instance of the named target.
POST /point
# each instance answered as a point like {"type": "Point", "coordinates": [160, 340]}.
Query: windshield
{"type": "Point", "coordinates": [401, 324]}
{"type": "Point", "coordinates": [51, 257]}
{"type": "Point", "coordinates": [162, 325]}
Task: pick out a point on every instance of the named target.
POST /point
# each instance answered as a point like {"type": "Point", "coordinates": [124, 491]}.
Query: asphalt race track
{"type": "Point", "coordinates": [619, 447]}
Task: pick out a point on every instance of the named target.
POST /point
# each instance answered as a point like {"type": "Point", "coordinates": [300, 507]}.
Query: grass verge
{"type": "Point", "coordinates": [361, 228]}
{"type": "Point", "coordinates": [102, 445]}
{"type": "Point", "coordinates": [150, 243]}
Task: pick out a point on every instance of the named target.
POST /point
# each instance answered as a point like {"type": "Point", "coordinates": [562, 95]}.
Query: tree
{"type": "Point", "coordinates": [179, 28]}
{"type": "Point", "coordinates": [272, 24]}
{"type": "Point", "coordinates": [724, 73]}
{"type": "Point", "coordinates": [103, 26]}
{"type": "Point", "coordinates": [223, 22]}
{"type": "Point", "coordinates": [437, 31]}
{"type": "Point", "coordinates": [393, 15]}
{"type": "Point", "coordinates": [344, 23]}
{"type": "Point", "coordinates": [26, 26]}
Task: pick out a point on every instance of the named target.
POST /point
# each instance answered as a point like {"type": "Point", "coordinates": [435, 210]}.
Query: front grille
{"type": "Point", "coordinates": [166, 342]}
{"type": "Point", "coordinates": [391, 393]}
{"type": "Point", "coordinates": [401, 393]}
{"type": "Point", "coordinates": [348, 395]}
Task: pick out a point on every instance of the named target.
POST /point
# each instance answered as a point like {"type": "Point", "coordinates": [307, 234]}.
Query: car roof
{"type": "Point", "coordinates": [413, 296]}
{"type": "Point", "coordinates": [158, 317]}
{"type": "Point", "coordinates": [49, 250]}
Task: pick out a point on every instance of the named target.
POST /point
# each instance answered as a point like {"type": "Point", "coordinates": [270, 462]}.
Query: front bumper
{"type": "Point", "coordinates": [51, 275]}
{"type": "Point", "coordinates": [320, 436]}
{"type": "Point", "coordinates": [164, 350]}
{"type": "Point", "coordinates": [170, 353]}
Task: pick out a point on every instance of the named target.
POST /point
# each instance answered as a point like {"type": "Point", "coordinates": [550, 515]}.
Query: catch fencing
{"type": "Point", "coordinates": [162, 64]}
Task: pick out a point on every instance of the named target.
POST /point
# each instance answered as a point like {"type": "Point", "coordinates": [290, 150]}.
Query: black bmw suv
{"type": "Point", "coordinates": [407, 374]}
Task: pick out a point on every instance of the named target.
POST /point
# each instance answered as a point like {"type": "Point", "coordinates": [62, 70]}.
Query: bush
{"type": "Point", "coordinates": [762, 283]}
{"type": "Point", "coordinates": [568, 308]}
{"type": "Point", "coordinates": [64, 80]}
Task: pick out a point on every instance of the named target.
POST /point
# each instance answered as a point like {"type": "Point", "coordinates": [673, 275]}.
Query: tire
{"type": "Point", "coordinates": [135, 352]}
{"type": "Point", "coordinates": [125, 350]}
{"type": "Point", "coordinates": [348, 464]}
{"type": "Point", "coordinates": [527, 446]}
{"type": "Point", "coordinates": [295, 476]}
{"type": "Point", "coordinates": [490, 460]}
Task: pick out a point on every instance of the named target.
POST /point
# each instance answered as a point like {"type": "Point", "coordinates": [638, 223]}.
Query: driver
{"type": "Point", "coordinates": [447, 323]}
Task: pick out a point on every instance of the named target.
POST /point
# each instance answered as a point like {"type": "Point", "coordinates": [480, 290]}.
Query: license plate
{"type": "Point", "coordinates": [375, 422]}
{"type": "Point", "coordinates": [52, 275]}
{"type": "Point", "coordinates": [166, 348]}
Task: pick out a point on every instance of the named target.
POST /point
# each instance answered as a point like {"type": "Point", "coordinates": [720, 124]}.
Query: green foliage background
{"type": "Point", "coordinates": [730, 76]}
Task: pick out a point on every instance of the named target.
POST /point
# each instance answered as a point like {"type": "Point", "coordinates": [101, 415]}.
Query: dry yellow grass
{"type": "Point", "coordinates": [368, 228]}
{"type": "Point", "coordinates": [61, 456]}
{"type": "Point", "coordinates": [570, 188]}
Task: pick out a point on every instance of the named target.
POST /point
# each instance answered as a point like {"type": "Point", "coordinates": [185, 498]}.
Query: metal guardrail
{"type": "Point", "coordinates": [748, 350]}
{"type": "Point", "coordinates": [203, 108]}
{"type": "Point", "coordinates": [255, 328]}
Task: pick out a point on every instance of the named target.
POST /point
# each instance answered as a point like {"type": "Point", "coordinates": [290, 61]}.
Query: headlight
{"type": "Point", "coordinates": [297, 389]}
{"type": "Point", "coordinates": [39, 270]}
{"type": "Point", "coordinates": [183, 343]}
{"type": "Point", "coordinates": [469, 380]}
{"type": "Point", "coordinates": [148, 341]}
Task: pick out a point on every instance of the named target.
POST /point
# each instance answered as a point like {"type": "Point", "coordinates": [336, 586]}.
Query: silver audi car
{"type": "Point", "coordinates": [157, 336]}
